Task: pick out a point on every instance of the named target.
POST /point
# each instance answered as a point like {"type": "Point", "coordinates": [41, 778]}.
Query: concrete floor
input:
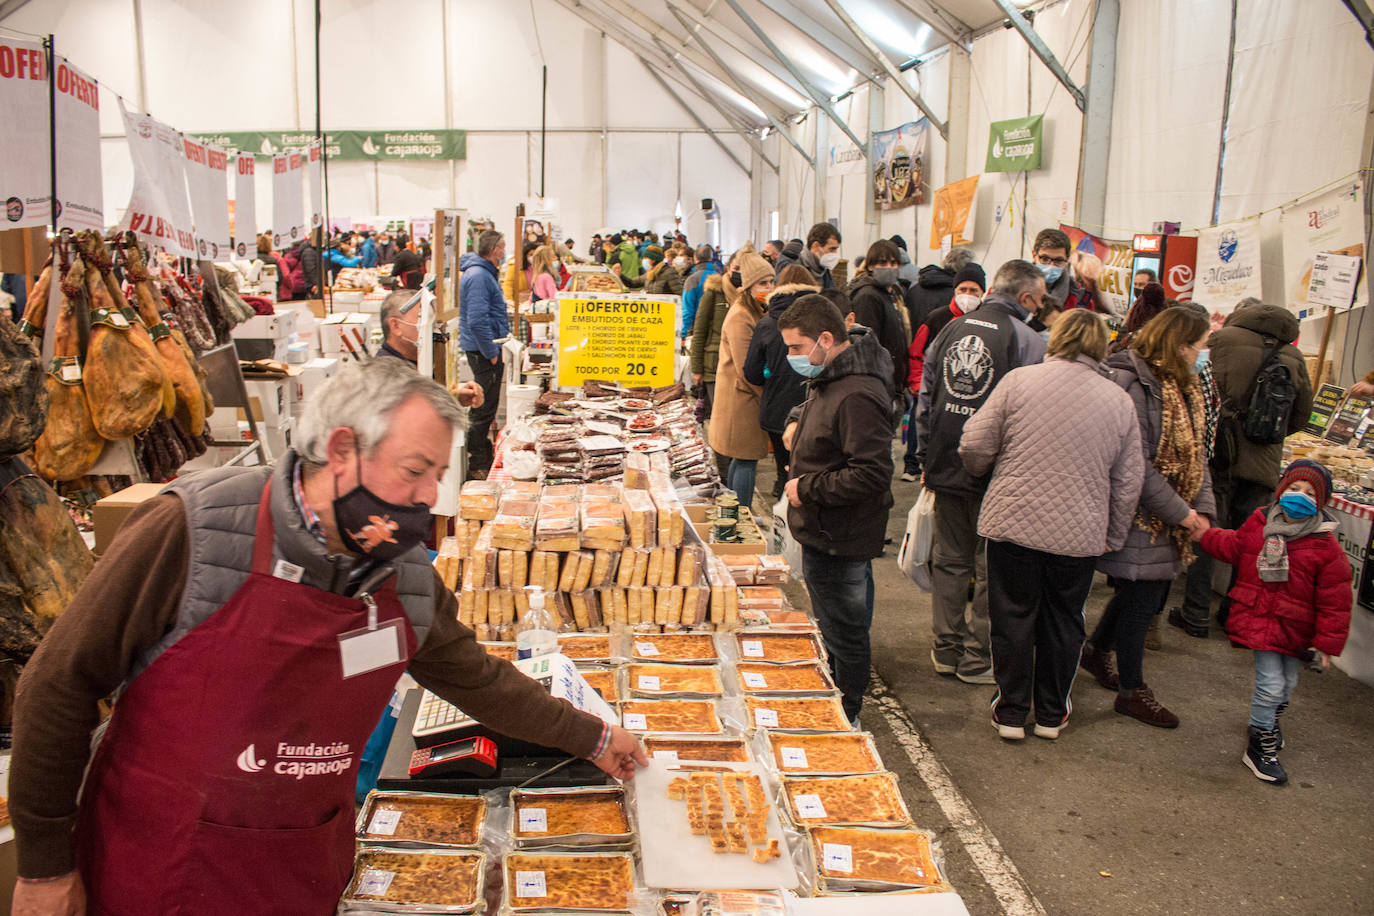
{"type": "Point", "coordinates": [1117, 817]}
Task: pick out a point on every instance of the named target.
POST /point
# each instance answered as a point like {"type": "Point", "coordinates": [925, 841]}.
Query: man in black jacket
{"type": "Point", "coordinates": [968, 358]}
{"type": "Point", "coordinates": [840, 489]}
{"type": "Point", "coordinates": [934, 285]}
{"type": "Point", "coordinates": [875, 294]}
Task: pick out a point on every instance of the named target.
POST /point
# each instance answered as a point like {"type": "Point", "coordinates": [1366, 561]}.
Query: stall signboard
{"type": "Point", "coordinates": [1333, 279]}
{"type": "Point", "coordinates": [245, 206]}
{"type": "Point", "coordinates": [952, 218]}
{"type": "Point", "coordinates": [1228, 265]}
{"type": "Point", "coordinates": [1015, 145]}
{"type": "Point", "coordinates": [77, 108]}
{"type": "Point", "coordinates": [1348, 421]}
{"type": "Point", "coordinates": [1179, 269]}
{"type": "Point", "coordinates": [1325, 403]}
{"type": "Point", "coordinates": [616, 338]}
{"type": "Point", "coordinates": [314, 173]}
{"type": "Point", "coordinates": [541, 218]}
{"type": "Point", "coordinates": [25, 169]}
{"type": "Point", "coordinates": [158, 211]}
{"type": "Point", "coordinates": [352, 145]}
{"type": "Point", "coordinates": [206, 177]}
{"type": "Point", "coordinates": [288, 204]}
{"type": "Point", "coordinates": [1365, 591]}
{"type": "Point", "coordinates": [1330, 221]}
{"type": "Point", "coordinates": [1116, 255]}
{"type": "Point", "coordinates": [898, 163]}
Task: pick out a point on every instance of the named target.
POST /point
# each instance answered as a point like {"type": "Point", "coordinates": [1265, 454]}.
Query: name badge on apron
{"type": "Point", "coordinates": [361, 651]}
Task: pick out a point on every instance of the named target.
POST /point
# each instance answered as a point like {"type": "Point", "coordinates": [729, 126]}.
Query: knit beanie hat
{"type": "Point", "coordinates": [1310, 471]}
{"type": "Point", "coordinates": [752, 269]}
{"type": "Point", "coordinates": [792, 249]}
{"type": "Point", "coordinates": [617, 239]}
{"type": "Point", "coordinates": [972, 272]}
{"type": "Point", "coordinates": [653, 253]}
{"type": "Point", "coordinates": [899, 242]}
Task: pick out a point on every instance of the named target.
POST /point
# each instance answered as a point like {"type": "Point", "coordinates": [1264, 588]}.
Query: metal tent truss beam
{"type": "Point", "coordinates": [1359, 8]}
{"type": "Point", "coordinates": [691, 113]}
{"type": "Point", "coordinates": [10, 7]}
{"type": "Point", "coordinates": [946, 24]}
{"type": "Point", "coordinates": [742, 129]}
{"type": "Point", "coordinates": [695, 29]}
{"type": "Point", "coordinates": [640, 49]}
{"type": "Point", "coordinates": [726, 35]}
{"type": "Point", "coordinates": [889, 67]}
{"type": "Point", "coordinates": [816, 96]}
{"type": "Point", "coordinates": [1042, 51]}
{"type": "Point", "coordinates": [627, 13]}
{"type": "Point", "coordinates": [860, 58]}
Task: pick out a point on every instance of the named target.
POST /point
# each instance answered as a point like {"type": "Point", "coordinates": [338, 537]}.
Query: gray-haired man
{"type": "Point", "coordinates": [253, 623]}
{"type": "Point", "coordinates": [403, 341]}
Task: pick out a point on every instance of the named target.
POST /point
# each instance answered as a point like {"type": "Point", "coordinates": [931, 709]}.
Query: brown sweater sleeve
{"type": "Point", "coordinates": [125, 606]}
{"type": "Point", "coordinates": [493, 691]}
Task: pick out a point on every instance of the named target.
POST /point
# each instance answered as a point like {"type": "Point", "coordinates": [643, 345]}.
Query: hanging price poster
{"type": "Point", "coordinates": [616, 338]}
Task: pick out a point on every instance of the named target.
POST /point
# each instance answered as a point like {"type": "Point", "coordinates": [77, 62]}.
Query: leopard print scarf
{"type": "Point", "coordinates": [1179, 458]}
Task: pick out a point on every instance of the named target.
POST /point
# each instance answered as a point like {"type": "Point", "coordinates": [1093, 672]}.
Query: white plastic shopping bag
{"type": "Point", "coordinates": [782, 540]}
{"type": "Point", "coordinates": [914, 556]}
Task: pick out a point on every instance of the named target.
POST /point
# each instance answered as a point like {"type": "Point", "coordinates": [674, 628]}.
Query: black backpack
{"type": "Point", "coordinates": [1272, 396]}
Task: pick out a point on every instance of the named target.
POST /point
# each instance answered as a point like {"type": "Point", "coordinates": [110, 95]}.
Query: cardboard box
{"type": "Point", "coordinates": [265, 336]}
{"type": "Point", "coordinates": [277, 439]}
{"type": "Point", "coordinates": [311, 378]}
{"type": "Point", "coordinates": [109, 513]}
{"type": "Point", "coordinates": [334, 327]}
{"type": "Point", "coordinates": [272, 400]}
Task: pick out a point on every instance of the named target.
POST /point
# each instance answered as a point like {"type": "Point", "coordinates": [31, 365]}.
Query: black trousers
{"type": "Point", "coordinates": [782, 458]}
{"type": "Point", "coordinates": [488, 375]}
{"type": "Point", "coordinates": [1035, 606]}
{"type": "Point", "coordinates": [1125, 622]}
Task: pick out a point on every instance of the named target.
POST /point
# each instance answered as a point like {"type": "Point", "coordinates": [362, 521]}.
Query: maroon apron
{"type": "Point", "coordinates": [225, 781]}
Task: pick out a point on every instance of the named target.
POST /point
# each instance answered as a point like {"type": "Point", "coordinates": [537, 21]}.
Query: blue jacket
{"type": "Point", "coordinates": [368, 253]}
{"type": "Point", "coordinates": [691, 295]}
{"type": "Point", "coordinates": [336, 256]}
{"type": "Point", "coordinates": [483, 317]}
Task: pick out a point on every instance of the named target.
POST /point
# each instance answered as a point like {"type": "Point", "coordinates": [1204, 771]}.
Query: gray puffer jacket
{"type": "Point", "coordinates": [1143, 558]}
{"type": "Point", "coordinates": [1067, 470]}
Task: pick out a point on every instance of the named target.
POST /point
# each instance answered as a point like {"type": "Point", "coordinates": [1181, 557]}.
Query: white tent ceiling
{"type": "Point", "coordinates": [707, 46]}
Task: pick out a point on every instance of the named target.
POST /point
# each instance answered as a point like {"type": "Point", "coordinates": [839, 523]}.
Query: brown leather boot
{"type": "Point", "coordinates": [1100, 665]}
{"type": "Point", "coordinates": [1141, 704]}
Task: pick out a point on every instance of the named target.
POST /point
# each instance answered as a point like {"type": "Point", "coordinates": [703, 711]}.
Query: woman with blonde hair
{"type": "Point", "coordinates": [1066, 476]}
{"type": "Point", "coordinates": [544, 278]}
{"type": "Point", "coordinates": [1159, 372]}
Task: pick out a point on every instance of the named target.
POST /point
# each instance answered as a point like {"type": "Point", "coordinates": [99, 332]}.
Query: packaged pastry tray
{"type": "Point", "coordinates": [871, 800]}
{"type": "Point", "coordinates": [684, 648]}
{"type": "Point", "coordinates": [865, 858]}
{"type": "Point", "coordinates": [686, 747]}
{"type": "Point", "coordinates": [651, 680]}
{"type": "Point", "coordinates": [387, 880]}
{"type": "Point", "coordinates": [778, 648]}
{"type": "Point", "coordinates": [681, 716]}
{"type": "Point", "coordinates": [402, 818]}
{"type": "Point", "coordinates": [817, 713]}
{"type": "Point", "coordinates": [833, 754]}
{"type": "Point", "coordinates": [802, 678]}
{"type": "Point", "coordinates": [597, 881]}
{"type": "Point", "coordinates": [591, 816]}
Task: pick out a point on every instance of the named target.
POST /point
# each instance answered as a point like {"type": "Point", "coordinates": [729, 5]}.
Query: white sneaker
{"type": "Point", "coordinates": [910, 477]}
{"type": "Point", "coordinates": [1049, 733]}
{"type": "Point", "coordinates": [1009, 732]}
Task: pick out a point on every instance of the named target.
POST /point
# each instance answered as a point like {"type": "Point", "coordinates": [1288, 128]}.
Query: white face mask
{"type": "Point", "coordinates": [967, 301]}
{"type": "Point", "coordinates": [679, 263]}
{"type": "Point", "coordinates": [829, 259]}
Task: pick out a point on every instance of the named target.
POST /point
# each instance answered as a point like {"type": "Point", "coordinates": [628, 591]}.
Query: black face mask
{"type": "Point", "coordinates": [735, 279]}
{"type": "Point", "coordinates": [375, 528]}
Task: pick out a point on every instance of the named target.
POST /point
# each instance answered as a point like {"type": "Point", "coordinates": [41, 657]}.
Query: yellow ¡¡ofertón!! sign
{"type": "Point", "coordinates": [613, 337]}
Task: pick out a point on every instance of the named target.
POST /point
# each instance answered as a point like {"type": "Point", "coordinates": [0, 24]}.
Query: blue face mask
{"type": "Point", "coordinates": [1203, 358]}
{"type": "Point", "coordinates": [802, 365]}
{"type": "Point", "coordinates": [1297, 505]}
{"type": "Point", "coordinates": [1051, 272]}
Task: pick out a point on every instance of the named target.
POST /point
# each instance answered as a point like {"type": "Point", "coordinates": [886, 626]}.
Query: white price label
{"type": "Point", "coordinates": [768, 718]}
{"type": "Point", "coordinates": [838, 857]}
{"type": "Point", "coordinates": [384, 823]}
{"type": "Point", "coordinates": [755, 679]}
{"type": "Point", "coordinates": [71, 373]}
{"type": "Point", "coordinates": [645, 648]}
{"type": "Point", "coordinates": [635, 721]}
{"type": "Point", "coordinates": [531, 884]}
{"type": "Point", "coordinates": [648, 682]}
{"type": "Point", "coordinates": [118, 320]}
{"type": "Point", "coordinates": [809, 806]}
{"type": "Point", "coordinates": [794, 758]}
{"type": "Point", "coordinates": [374, 882]}
{"type": "Point", "coordinates": [751, 648]}
{"type": "Point", "coordinates": [533, 820]}
{"type": "Point", "coordinates": [669, 758]}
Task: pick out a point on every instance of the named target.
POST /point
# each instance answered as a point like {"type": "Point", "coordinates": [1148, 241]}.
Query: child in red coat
{"type": "Point", "coordinates": [1292, 593]}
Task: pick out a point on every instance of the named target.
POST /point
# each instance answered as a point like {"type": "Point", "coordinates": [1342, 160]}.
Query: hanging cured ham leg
{"type": "Point", "coordinates": [69, 445]}
{"type": "Point", "coordinates": [124, 377]}
{"type": "Point", "coordinates": [177, 362]}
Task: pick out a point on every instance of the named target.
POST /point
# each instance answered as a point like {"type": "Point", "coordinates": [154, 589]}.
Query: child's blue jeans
{"type": "Point", "coordinates": [1276, 675]}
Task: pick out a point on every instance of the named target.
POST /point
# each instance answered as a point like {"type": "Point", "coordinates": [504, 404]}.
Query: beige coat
{"type": "Point", "coordinates": [735, 429]}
